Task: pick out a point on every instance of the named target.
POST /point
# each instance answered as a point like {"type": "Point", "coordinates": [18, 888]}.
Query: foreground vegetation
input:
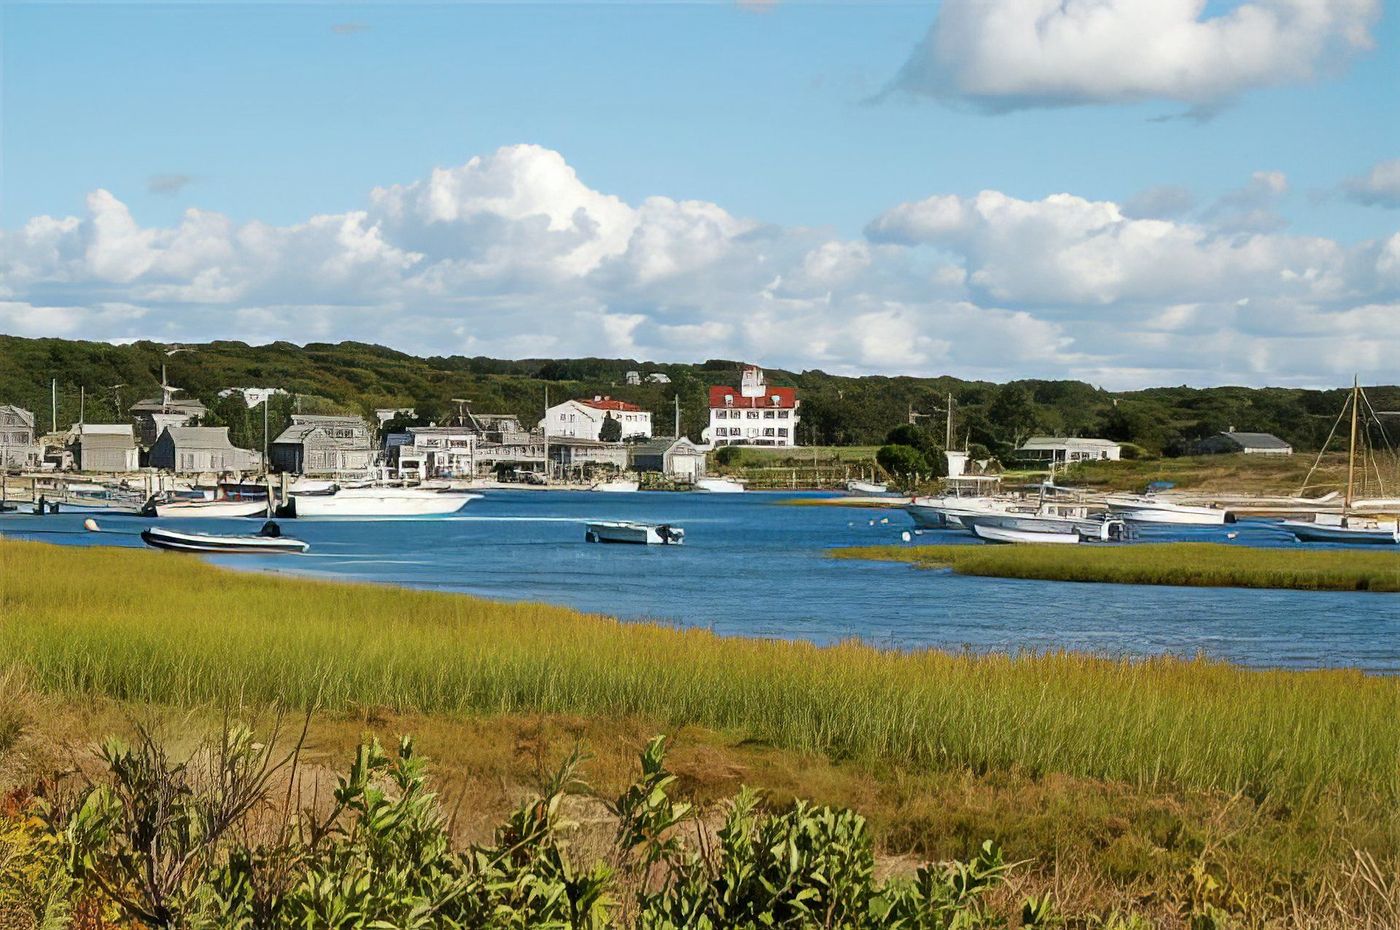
{"type": "Point", "coordinates": [1207, 565]}
{"type": "Point", "coordinates": [210, 842]}
{"type": "Point", "coordinates": [1166, 784]}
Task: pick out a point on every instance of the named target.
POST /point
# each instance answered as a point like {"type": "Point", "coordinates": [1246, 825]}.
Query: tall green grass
{"type": "Point", "coordinates": [161, 628]}
{"type": "Point", "coordinates": [1194, 564]}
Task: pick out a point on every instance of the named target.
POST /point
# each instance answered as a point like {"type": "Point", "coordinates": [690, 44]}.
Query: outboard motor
{"type": "Point", "coordinates": [271, 530]}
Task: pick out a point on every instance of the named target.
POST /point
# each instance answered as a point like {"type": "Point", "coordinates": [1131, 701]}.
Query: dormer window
{"type": "Point", "coordinates": [729, 400]}
{"type": "Point", "coordinates": [777, 401]}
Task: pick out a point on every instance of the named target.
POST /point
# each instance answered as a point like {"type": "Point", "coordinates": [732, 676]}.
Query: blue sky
{"type": "Point", "coordinates": [793, 116]}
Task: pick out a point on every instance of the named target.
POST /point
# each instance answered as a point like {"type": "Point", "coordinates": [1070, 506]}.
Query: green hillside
{"type": "Point", "coordinates": [355, 377]}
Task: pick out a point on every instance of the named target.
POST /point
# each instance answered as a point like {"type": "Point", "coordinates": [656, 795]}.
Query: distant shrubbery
{"type": "Point", "coordinates": [835, 410]}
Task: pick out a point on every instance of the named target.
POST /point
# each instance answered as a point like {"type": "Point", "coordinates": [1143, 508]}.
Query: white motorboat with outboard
{"type": "Point", "coordinates": [225, 500]}
{"type": "Point", "coordinates": [373, 501]}
{"type": "Point", "coordinates": [645, 534]}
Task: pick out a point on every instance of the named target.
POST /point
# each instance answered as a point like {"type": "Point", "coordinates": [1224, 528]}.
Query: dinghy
{"type": "Point", "coordinates": [267, 541]}
{"type": "Point", "coordinates": [642, 534]}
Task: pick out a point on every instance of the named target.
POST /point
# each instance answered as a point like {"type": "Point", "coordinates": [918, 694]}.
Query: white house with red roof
{"type": "Point", "coordinates": [583, 419]}
{"type": "Point", "coordinates": [754, 414]}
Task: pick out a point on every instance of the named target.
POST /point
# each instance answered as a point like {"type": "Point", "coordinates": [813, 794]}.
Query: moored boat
{"type": "Point", "coordinates": [1005, 534]}
{"type": "Point", "coordinates": [268, 541]}
{"type": "Point", "coordinates": [719, 485]}
{"type": "Point", "coordinates": [618, 486]}
{"type": "Point", "coordinates": [1345, 528]}
{"type": "Point", "coordinates": [867, 487]}
{"type": "Point", "coordinates": [1148, 508]}
{"type": "Point", "coordinates": [645, 534]}
{"type": "Point", "coordinates": [373, 501]}
{"type": "Point", "coordinates": [227, 500]}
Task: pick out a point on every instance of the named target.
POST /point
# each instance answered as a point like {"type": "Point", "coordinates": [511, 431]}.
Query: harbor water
{"type": "Point", "coordinates": [753, 565]}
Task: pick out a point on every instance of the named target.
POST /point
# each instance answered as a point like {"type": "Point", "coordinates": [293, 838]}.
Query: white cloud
{"type": "Point", "coordinates": [1378, 187]}
{"type": "Point", "coordinates": [1011, 54]}
{"type": "Point", "coordinates": [511, 254]}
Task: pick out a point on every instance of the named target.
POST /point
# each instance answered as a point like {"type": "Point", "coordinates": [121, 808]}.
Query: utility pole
{"type": "Point", "coordinates": [948, 442]}
{"type": "Point", "coordinates": [678, 416]}
{"type": "Point", "coordinates": [53, 405]}
{"type": "Point", "coordinates": [82, 406]}
{"type": "Point", "coordinates": [546, 434]}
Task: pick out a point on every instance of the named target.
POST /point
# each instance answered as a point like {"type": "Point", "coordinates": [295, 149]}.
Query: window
{"type": "Point", "coordinates": [729, 400]}
{"type": "Point", "coordinates": [768, 431]}
{"type": "Point", "coordinates": [782, 431]}
{"type": "Point", "coordinates": [767, 414]}
{"type": "Point", "coordinates": [753, 414]}
{"type": "Point", "coordinates": [782, 414]}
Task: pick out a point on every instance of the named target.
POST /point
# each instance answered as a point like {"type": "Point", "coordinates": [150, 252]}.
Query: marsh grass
{"type": "Point", "coordinates": [1215, 565]}
{"type": "Point", "coordinates": [163, 629]}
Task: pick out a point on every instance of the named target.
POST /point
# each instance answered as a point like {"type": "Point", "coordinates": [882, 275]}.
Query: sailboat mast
{"type": "Point", "coordinates": [948, 441]}
{"type": "Point", "coordinates": [1351, 455]}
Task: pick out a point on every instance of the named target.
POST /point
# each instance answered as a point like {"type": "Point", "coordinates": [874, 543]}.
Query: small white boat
{"type": "Point", "coordinates": [269, 541]}
{"type": "Point", "coordinates": [618, 486]}
{"type": "Point", "coordinates": [867, 487]}
{"type": "Point", "coordinates": [1348, 528]}
{"type": "Point", "coordinates": [719, 485]}
{"type": "Point", "coordinates": [1150, 509]}
{"type": "Point", "coordinates": [228, 499]}
{"type": "Point", "coordinates": [1006, 534]}
{"type": "Point", "coordinates": [373, 501]}
{"type": "Point", "coordinates": [937, 513]}
{"type": "Point", "coordinates": [643, 534]}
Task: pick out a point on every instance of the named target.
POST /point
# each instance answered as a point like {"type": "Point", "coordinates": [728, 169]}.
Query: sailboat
{"type": "Point", "coordinates": [1347, 526]}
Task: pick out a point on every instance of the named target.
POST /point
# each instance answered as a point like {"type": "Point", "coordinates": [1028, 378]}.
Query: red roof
{"type": "Point", "coordinates": [787, 398]}
{"type": "Point", "coordinates": [607, 403]}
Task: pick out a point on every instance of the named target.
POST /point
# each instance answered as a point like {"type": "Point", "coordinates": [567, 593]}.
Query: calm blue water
{"type": "Point", "coordinates": [752, 566]}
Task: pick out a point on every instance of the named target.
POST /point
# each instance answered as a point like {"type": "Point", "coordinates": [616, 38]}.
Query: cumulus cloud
{"type": "Point", "coordinates": [512, 254]}
{"type": "Point", "coordinates": [1379, 187]}
{"type": "Point", "coordinates": [1013, 54]}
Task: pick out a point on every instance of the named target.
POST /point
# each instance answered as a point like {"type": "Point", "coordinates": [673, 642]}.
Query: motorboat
{"type": "Point", "coordinates": [938, 513]}
{"type": "Point", "coordinates": [1110, 530]}
{"type": "Point", "coordinates": [618, 486]}
{"type": "Point", "coordinates": [644, 534]}
{"type": "Point", "coordinates": [372, 501]}
{"type": "Point", "coordinates": [226, 500]}
{"type": "Point", "coordinates": [1148, 508]}
{"type": "Point", "coordinates": [1003, 534]}
{"type": "Point", "coordinates": [715, 485]}
{"type": "Point", "coordinates": [1345, 528]}
{"type": "Point", "coordinates": [269, 540]}
{"type": "Point", "coordinates": [867, 487]}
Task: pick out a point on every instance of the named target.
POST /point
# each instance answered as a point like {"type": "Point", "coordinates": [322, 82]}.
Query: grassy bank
{"type": "Point", "coordinates": [147, 627]}
{"type": "Point", "coordinates": [1223, 474]}
{"type": "Point", "coordinates": [1118, 779]}
{"type": "Point", "coordinates": [1207, 565]}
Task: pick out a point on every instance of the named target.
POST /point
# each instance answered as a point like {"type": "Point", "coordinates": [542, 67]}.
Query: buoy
{"type": "Point", "coordinates": [872, 522]}
{"type": "Point", "coordinates": [884, 519]}
{"type": "Point", "coordinates": [918, 532]}
{"type": "Point", "coordinates": [91, 525]}
{"type": "Point", "coordinates": [905, 536]}
{"type": "Point", "coordinates": [1231, 535]}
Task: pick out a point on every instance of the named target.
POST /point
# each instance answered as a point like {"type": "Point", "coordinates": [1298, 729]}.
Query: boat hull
{"type": "Point", "coordinates": [1179, 514]}
{"type": "Point", "coordinates": [718, 486]}
{"type": "Point", "coordinates": [866, 487]}
{"type": "Point", "coordinates": [1312, 532]}
{"type": "Point", "coordinates": [172, 541]}
{"type": "Point", "coordinates": [619, 486]}
{"type": "Point", "coordinates": [1003, 534]}
{"type": "Point", "coordinates": [640, 534]}
{"type": "Point", "coordinates": [207, 509]}
{"type": "Point", "coordinates": [376, 502]}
